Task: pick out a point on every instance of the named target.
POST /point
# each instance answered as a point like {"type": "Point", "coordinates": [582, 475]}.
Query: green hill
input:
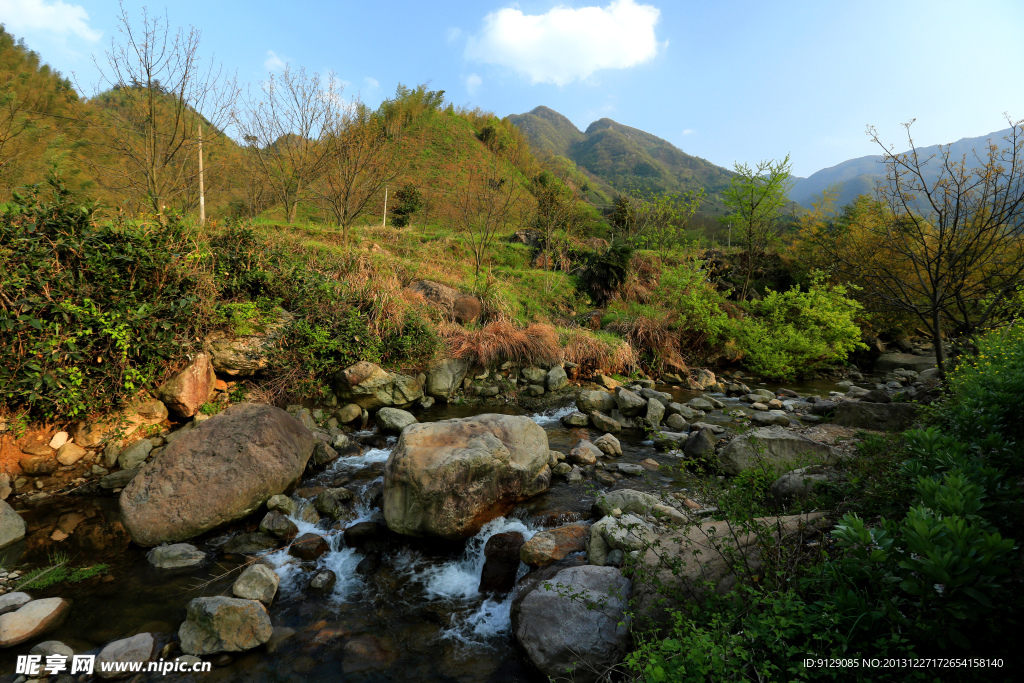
{"type": "Point", "coordinates": [622, 157]}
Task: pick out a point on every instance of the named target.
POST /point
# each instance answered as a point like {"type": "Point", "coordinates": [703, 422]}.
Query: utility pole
{"type": "Point", "coordinates": [202, 192]}
{"type": "Point", "coordinates": [384, 223]}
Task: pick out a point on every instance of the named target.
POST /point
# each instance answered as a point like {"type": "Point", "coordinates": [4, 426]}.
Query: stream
{"type": "Point", "coordinates": [416, 616]}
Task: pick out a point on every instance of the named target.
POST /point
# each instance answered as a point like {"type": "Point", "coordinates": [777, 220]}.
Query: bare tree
{"type": "Point", "coordinates": [288, 127]}
{"type": "Point", "coordinates": [363, 157]}
{"type": "Point", "coordinates": [158, 92]}
{"type": "Point", "coordinates": [946, 243]}
{"type": "Point", "coordinates": [485, 208]}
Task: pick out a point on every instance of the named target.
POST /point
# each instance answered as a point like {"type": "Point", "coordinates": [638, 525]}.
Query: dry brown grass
{"type": "Point", "coordinates": [594, 355]}
{"type": "Point", "coordinates": [653, 335]}
{"type": "Point", "coordinates": [502, 341]}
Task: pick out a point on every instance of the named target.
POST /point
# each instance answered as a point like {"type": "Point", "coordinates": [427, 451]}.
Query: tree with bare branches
{"type": "Point", "coordinates": [363, 157]}
{"type": "Point", "coordinates": [945, 238]}
{"type": "Point", "coordinates": [485, 208]}
{"type": "Point", "coordinates": [288, 126]}
{"type": "Point", "coordinates": [157, 93]}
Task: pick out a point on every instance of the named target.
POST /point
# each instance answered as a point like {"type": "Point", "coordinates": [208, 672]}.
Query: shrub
{"type": "Point", "coordinates": [91, 312]}
{"type": "Point", "coordinates": [797, 331]}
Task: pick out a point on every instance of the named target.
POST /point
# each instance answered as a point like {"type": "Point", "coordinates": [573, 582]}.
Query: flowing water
{"type": "Point", "coordinates": [417, 616]}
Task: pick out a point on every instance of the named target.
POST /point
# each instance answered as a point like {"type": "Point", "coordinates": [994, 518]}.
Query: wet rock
{"type": "Point", "coordinates": [700, 404]}
{"type": "Point", "coordinates": [769, 419]}
{"type": "Point", "coordinates": [257, 582]}
{"type": "Point", "coordinates": [630, 469]}
{"type": "Point", "coordinates": [308, 546]}
{"type": "Point", "coordinates": [650, 464]}
{"type": "Point", "coordinates": [775, 446]}
{"type": "Point", "coordinates": [555, 544]}
{"type": "Point", "coordinates": [449, 478]}
{"type": "Point", "coordinates": [282, 504]}
{"type": "Point", "coordinates": [534, 390]}
{"type": "Point", "coordinates": [445, 376]}
{"type": "Point", "coordinates": [601, 401]}
{"type": "Point", "coordinates": [12, 526]}
{"type": "Point", "coordinates": [609, 445]}
{"type": "Point", "coordinates": [251, 543]}
{"type": "Point", "coordinates": [322, 455]}
{"type": "Point", "coordinates": [336, 503]}
{"type": "Point", "coordinates": [562, 469]}
{"type": "Point", "coordinates": [604, 423]}
{"type": "Point", "coordinates": [52, 648]}
{"type": "Point", "coordinates": [323, 581]}
{"type": "Point", "coordinates": [626, 500]}
{"type": "Point", "coordinates": [876, 396]}
{"type": "Point", "coordinates": [584, 453]}
{"type": "Point", "coordinates": [176, 556]}
{"type": "Point", "coordinates": [219, 624]}
{"type": "Point", "coordinates": [603, 478]}
{"type": "Point", "coordinates": [366, 535]}
{"type": "Point", "coordinates": [366, 653]}
{"type": "Point", "coordinates": [888, 417]}
{"type": "Point", "coordinates": [134, 455]}
{"type": "Point", "coordinates": [556, 379]}
{"type": "Point", "coordinates": [575, 419]}
{"type": "Point", "coordinates": [581, 637]}
{"type": "Point", "coordinates": [276, 524]}
{"type": "Point", "coordinates": [823, 408]}
{"type": "Point", "coordinates": [138, 648]}
{"type": "Point", "coordinates": [32, 620]}
{"type": "Point", "coordinates": [188, 390]}
{"type": "Point", "coordinates": [371, 387]}
{"type": "Point", "coordinates": [501, 562]}
{"type": "Point", "coordinates": [655, 413]}
{"type": "Point", "coordinates": [575, 475]}
{"type": "Point", "coordinates": [630, 405]}
{"type": "Point", "coordinates": [222, 470]}
{"type": "Point", "coordinates": [368, 565]}
{"type": "Point", "coordinates": [348, 413]}
{"type": "Point", "coordinates": [627, 533]}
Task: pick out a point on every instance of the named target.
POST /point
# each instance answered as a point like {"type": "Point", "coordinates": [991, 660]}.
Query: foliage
{"type": "Point", "coordinates": [57, 572]}
{"type": "Point", "coordinates": [91, 313]}
{"type": "Point", "coordinates": [603, 272]}
{"type": "Point", "coordinates": [409, 200]}
{"type": "Point", "coordinates": [797, 330]}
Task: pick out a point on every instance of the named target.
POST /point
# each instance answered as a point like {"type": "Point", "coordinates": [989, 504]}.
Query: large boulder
{"type": "Point", "coordinates": [449, 478]}
{"type": "Point", "coordinates": [575, 623]}
{"type": "Point", "coordinates": [12, 526]}
{"type": "Point", "coordinates": [394, 420]}
{"type": "Point", "coordinates": [445, 377]}
{"type": "Point", "coordinates": [462, 308]}
{"type": "Point", "coordinates": [218, 472]}
{"type": "Point", "coordinates": [371, 387]}
{"type": "Point", "coordinates": [220, 624]}
{"type": "Point", "coordinates": [241, 355]}
{"type": "Point", "coordinates": [884, 417]}
{"type": "Point", "coordinates": [774, 447]}
{"type": "Point", "coordinates": [189, 389]}
{"type": "Point", "coordinates": [32, 620]}
{"type": "Point", "coordinates": [888, 362]}
{"type": "Point", "coordinates": [630, 405]}
{"type": "Point", "coordinates": [699, 559]}
{"type": "Point", "coordinates": [555, 544]}
{"type": "Point", "coordinates": [601, 401]}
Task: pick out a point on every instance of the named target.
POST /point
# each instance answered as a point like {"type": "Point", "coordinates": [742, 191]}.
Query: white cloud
{"type": "Point", "coordinates": [372, 82]}
{"type": "Point", "coordinates": [55, 17]}
{"type": "Point", "coordinates": [273, 62]}
{"type": "Point", "coordinates": [452, 34]}
{"type": "Point", "coordinates": [568, 44]}
{"type": "Point", "coordinates": [689, 131]}
{"type": "Point", "coordinates": [473, 83]}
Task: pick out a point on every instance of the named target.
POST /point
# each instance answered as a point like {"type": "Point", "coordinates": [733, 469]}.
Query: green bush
{"type": "Point", "coordinates": [89, 312]}
{"type": "Point", "coordinates": [796, 331]}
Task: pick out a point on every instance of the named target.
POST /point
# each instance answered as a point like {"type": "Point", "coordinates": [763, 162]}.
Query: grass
{"type": "Point", "coordinates": [57, 572]}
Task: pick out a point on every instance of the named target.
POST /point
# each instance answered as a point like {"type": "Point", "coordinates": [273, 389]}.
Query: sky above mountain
{"type": "Point", "coordinates": [728, 80]}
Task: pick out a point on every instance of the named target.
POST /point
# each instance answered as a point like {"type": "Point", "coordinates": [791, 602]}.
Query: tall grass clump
{"type": "Point", "coordinates": [501, 341]}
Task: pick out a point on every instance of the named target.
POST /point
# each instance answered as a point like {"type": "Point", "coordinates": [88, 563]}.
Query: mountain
{"type": "Point", "coordinates": [858, 176]}
{"type": "Point", "coordinates": [624, 158]}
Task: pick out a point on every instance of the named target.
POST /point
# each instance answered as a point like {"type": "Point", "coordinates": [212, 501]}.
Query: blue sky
{"type": "Point", "coordinates": [725, 80]}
